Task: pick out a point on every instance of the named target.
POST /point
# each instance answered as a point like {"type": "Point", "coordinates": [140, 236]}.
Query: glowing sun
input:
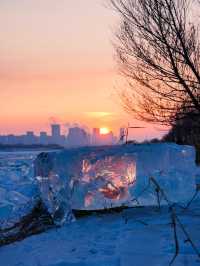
{"type": "Point", "coordinates": [104, 130]}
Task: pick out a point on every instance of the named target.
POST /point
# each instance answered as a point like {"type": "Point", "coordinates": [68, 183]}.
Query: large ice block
{"type": "Point", "coordinates": [104, 177]}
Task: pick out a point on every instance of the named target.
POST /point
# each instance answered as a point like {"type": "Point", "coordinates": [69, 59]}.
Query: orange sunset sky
{"type": "Point", "coordinates": [57, 65]}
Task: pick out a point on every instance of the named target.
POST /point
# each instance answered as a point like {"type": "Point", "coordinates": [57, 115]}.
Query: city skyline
{"type": "Point", "coordinates": [75, 137]}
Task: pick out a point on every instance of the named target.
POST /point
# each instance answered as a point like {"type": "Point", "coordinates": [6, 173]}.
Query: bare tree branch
{"type": "Point", "coordinates": [158, 52]}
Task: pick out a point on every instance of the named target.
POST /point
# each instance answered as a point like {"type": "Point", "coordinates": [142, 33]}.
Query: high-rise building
{"type": "Point", "coordinates": [107, 139]}
{"type": "Point", "coordinates": [43, 138]}
{"type": "Point", "coordinates": [55, 134]}
{"type": "Point", "coordinates": [102, 139]}
{"type": "Point", "coordinates": [30, 138]}
{"type": "Point", "coordinates": [77, 137]}
{"type": "Point", "coordinates": [55, 130]}
{"type": "Point", "coordinates": [96, 136]}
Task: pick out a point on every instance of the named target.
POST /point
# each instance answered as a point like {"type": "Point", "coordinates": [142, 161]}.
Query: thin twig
{"type": "Point", "coordinates": [192, 199]}
{"type": "Point", "coordinates": [176, 220]}
{"type": "Point", "coordinates": [174, 225]}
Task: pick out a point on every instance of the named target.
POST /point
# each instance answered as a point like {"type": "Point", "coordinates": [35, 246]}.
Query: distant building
{"type": "Point", "coordinates": [55, 134]}
{"type": "Point", "coordinates": [102, 139]}
{"type": "Point", "coordinates": [30, 138]}
{"type": "Point", "coordinates": [77, 137]}
{"type": "Point", "coordinates": [11, 139]}
{"type": "Point", "coordinates": [96, 136]}
{"type": "Point", "coordinates": [55, 131]}
{"type": "Point", "coordinates": [44, 139]}
{"type": "Point", "coordinates": [107, 139]}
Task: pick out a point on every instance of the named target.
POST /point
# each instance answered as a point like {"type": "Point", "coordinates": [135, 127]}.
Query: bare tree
{"type": "Point", "coordinates": [158, 51]}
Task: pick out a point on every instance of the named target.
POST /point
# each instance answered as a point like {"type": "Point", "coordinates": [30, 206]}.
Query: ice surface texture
{"type": "Point", "coordinates": [103, 177]}
{"type": "Point", "coordinates": [18, 188]}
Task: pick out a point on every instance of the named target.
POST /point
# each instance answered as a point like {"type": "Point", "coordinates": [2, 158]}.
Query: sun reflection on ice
{"type": "Point", "coordinates": [111, 177]}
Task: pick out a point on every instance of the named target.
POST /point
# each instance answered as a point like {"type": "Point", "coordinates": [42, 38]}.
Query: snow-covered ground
{"type": "Point", "coordinates": [137, 236]}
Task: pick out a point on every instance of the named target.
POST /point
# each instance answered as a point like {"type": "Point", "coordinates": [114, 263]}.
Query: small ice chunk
{"type": "Point", "coordinates": [53, 193]}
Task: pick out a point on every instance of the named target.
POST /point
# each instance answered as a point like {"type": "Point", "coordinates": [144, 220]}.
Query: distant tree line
{"type": "Point", "coordinates": [185, 131]}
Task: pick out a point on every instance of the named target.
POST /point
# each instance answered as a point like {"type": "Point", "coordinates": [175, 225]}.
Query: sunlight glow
{"type": "Point", "coordinates": [104, 130]}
